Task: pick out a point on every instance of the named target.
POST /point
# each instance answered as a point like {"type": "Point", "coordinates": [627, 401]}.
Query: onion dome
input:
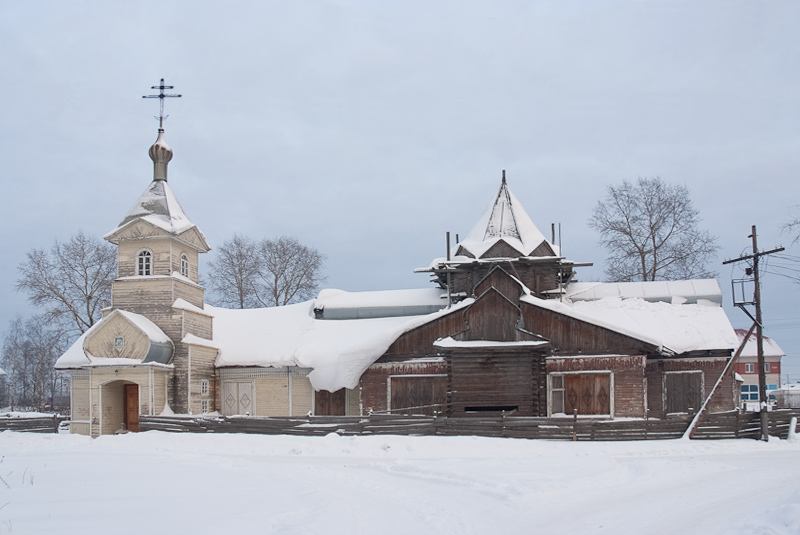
{"type": "Point", "coordinates": [161, 154]}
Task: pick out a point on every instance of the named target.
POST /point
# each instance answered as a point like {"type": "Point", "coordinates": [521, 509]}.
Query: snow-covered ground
{"type": "Point", "coordinates": [185, 483]}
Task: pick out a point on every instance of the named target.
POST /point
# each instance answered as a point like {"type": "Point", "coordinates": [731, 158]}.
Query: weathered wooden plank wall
{"type": "Point", "coordinates": [42, 424]}
{"type": "Point", "coordinates": [714, 426]}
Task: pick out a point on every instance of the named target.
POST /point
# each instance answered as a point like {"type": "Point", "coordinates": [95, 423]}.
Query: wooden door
{"type": "Point", "coordinates": [246, 399]}
{"type": "Point", "coordinates": [683, 391]}
{"type": "Point", "coordinates": [589, 393]}
{"type": "Point", "coordinates": [418, 395]}
{"type": "Point", "coordinates": [237, 398]}
{"type": "Point", "coordinates": [330, 403]}
{"type": "Point", "coordinates": [132, 407]}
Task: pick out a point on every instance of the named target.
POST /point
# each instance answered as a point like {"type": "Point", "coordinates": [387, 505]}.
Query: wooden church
{"type": "Point", "coordinates": [503, 329]}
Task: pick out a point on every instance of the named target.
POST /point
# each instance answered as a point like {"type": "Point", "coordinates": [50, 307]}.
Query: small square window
{"type": "Point", "coordinates": [119, 342]}
{"type": "Point", "coordinates": [766, 367]}
{"type": "Point", "coordinates": [749, 368]}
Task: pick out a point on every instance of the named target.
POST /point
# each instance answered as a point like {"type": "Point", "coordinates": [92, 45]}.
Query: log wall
{"type": "Point", "coordinates": [630, 388]}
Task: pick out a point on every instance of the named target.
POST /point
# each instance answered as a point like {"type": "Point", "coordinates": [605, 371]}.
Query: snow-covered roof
{"type": "Point", "coordinates": [339, 304]}
{"type": "Point", "coordinates": [771, 347]}
{"type": "Point", "coordinates": [182, 304]}
{"type": "Point", "coordinates": [337, 351]}
{"type": "Point", "coordinates": [158, 206]}
{"type": "Point", "coordinates": [676, 327]}
{"type": "Point", "coordinates": [150, 329]}
{"type": "Point", "coordinates": [76, 356]}
{"type": "Point", "coordinates": [688, 291]}
{"type": "Point", "coordinates": [505, 219]}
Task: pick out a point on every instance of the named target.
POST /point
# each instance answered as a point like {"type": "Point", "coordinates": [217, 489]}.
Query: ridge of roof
{"type": "Point", "coordinates": [504, 220]}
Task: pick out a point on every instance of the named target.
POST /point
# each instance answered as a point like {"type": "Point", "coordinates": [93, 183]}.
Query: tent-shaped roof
{"type": "Point", "coordinates": [505, 220]}
{"type": "Point", "coordinates": [158, 206]}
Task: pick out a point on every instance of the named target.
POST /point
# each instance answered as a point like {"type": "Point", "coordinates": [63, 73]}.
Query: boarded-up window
{"type": "Point", "coordinates": [424, 394]}
{"type": "Point", "coordinates": [683, 391]}
{"type": "Point", "coordinates": [590, 393]}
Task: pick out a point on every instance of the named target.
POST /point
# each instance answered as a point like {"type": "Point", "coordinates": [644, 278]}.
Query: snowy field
{"type": "Point", "coordinates": [168, 483]}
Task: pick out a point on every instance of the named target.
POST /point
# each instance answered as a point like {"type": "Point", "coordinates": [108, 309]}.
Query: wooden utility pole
{"type": "Point", "coordinates": [762, 375]}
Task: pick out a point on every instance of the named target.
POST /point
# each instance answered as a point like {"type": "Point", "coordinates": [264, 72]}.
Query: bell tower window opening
{"type": "Point", "coordinates": [144, 265]}
{"type": "Point", "coordinates": [184, 265]}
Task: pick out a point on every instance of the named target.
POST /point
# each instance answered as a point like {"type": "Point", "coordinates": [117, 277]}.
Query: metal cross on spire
{"type": "Point", "coordinates": [161, 96]}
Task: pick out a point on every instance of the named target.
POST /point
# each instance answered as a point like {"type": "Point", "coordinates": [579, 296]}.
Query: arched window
{"type": "Point", "coordinates": [144, 264]}
{"type": "Point", "coordinates": [184, 265]}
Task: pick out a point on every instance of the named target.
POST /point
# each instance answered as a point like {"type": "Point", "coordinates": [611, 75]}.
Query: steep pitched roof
{"type": "Point", "coordinates": [158, 206]}
{"type": "Point", "coordinates": [505, 220]}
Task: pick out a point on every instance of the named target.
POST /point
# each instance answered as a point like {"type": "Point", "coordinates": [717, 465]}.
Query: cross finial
{"type": "Point", "coordinates": [161, 96]}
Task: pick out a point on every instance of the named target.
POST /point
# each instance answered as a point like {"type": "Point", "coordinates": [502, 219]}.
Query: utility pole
{"type": "Point", "coordinates": [762, 375]}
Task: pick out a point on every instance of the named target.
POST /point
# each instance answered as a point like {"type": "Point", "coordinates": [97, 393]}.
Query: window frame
{"type": "Point", "coordinates": [184, 265]}
{"type": "Point", "coordinates": [144, 263]}
{"type": "Point", "coordinates": [553, 377]}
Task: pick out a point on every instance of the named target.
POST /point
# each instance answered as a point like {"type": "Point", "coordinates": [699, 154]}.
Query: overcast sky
{"type": "Point", "coordinates": [368, 129]}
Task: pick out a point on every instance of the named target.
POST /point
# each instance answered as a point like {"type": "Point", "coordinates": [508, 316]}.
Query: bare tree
{"type": "Point", "coordinates": [30, 350]}
{"type": "Point", "coordinates": [793, 226]}
{"type": "Point", "coordinates": [248, 274]}
{"type": "Point", "coordinates": [233, 273]}
{"type": "Point", "coordinates": [72, 281]}
{"type": "Point", "coordinates": [650, 229]}
{"type": "Point", "coordinates": [290, 271]}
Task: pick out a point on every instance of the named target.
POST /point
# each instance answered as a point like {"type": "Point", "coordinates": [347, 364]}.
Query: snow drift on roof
{"type": "Point", "coordinates": [150, 329]}
{"type": "Point", "coordinates": [680, 328]}
{"type": "Point", "coordinates": [75, 356]}
{"type": "Point", "coordinates": [337, 351]}
{"type": "Point", "coordinates": [690, 290]}
{"type": "Point", "coordinates": [505, 219]}
{"type": "Point", "coordinates": [158, 206]}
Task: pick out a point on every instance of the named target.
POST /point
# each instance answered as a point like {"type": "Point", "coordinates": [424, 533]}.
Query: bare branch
{"type": "Point", "coordinates": [278, 272]}
{"type": "Point", "coordinates": [72, 281]}
{"type": "Point", "coordinates": [651, 232]}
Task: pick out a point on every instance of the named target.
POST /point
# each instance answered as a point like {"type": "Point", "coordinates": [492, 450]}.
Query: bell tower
{"type": "Point", "coordinates": [158, 249]}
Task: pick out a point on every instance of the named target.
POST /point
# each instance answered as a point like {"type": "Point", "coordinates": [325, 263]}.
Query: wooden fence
{"type": "Point", "coordinates": [712, 426]}
{"type": "Point", "coordinates": [38, 424]}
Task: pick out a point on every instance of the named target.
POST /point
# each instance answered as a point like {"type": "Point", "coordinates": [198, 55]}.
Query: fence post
{"type": "Point", "coordinates": [574, 424]}
{"type": "Point", "coordinates": [55, 424]}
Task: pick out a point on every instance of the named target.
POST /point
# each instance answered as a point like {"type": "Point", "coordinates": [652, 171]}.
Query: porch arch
{"type": "Point", "coordinates": [120, 402]}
